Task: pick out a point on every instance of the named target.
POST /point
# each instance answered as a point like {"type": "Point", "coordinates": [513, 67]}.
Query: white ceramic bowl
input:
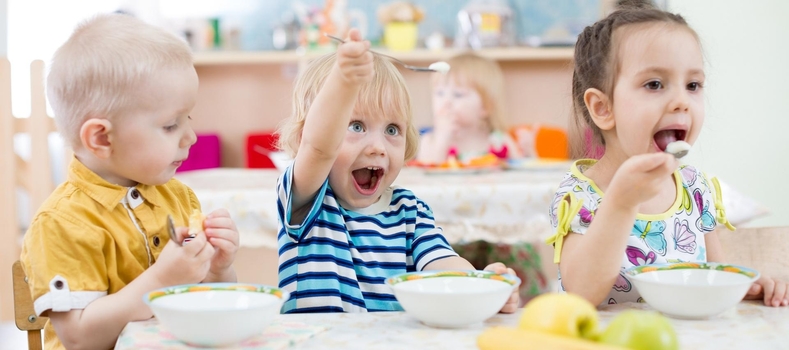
{"type": "Point", "coordinates": [452, 299]}
{"type": "Point", "coordinates": [692, 290]}
{"type": "Point", "coordinates": [216, 314]}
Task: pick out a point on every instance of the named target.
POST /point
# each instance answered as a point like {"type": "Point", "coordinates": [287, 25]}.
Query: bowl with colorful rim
{"type": "Point", "coordinates": [216, 314]}
{"type": "Point", "coordinates": [452, 298]}
{"type": "Point", "coordinates": [692, 290]}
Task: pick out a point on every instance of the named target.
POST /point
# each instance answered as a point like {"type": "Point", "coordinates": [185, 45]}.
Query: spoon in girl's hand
{"type": "Point", "coordinates": [678, 148]}
{"type": "Point", "coordinates": [440, 67]}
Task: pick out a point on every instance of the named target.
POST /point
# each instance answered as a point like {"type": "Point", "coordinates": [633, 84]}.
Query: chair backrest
{"type": "Point", "coordinates": [542, 141]}
{"type": "Point", "coordinates": [206, 153]}
{"type": "Point", "coordinates": [259, 147]}
{"type": "Point", "coordinates": [24, 312]}
{"type": "Point", "coordinates": [33, 175]}
{"type": "Point", "coordinates": [765, 249]}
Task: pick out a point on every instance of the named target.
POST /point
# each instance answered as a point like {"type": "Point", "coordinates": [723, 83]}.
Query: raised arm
{"type": "Point", "coordinates": [637, 180]}
{"type": "Point", "coordinates": [327, 120]}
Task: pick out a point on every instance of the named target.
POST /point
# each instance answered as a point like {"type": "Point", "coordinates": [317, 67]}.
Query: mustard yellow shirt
{"type": "Point", "coordinates": [90, 238]}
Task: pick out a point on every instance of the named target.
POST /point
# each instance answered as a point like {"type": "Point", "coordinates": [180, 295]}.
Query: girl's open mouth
{"type": "Point", "coordinates": [664, 137]}
{"type": "Point", "coordinates": [367, 179]}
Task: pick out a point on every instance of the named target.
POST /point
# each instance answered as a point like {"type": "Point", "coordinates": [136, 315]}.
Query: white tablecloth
{"type": "Point", "coordinates": [501, 206]}
{"type": "Point", "coordinates": [750, 325]}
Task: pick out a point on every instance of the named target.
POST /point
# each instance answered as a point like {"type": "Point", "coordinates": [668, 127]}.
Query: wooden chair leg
{"type": "Point", "coordinates": [34, 340]}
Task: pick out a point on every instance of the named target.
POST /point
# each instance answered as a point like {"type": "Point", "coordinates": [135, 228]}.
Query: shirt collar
{"type": "Point", "coordinates": [107, 194]}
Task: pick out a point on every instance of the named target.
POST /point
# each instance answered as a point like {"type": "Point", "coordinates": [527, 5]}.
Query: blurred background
{"type": "Point", "coordinates": [248, 53]}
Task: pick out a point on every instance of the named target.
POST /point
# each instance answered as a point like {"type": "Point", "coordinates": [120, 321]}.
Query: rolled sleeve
{"type": "Point", "coordinates": [64, 262]}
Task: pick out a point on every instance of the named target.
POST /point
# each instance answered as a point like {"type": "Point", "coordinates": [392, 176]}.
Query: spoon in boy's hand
{"type": "Point", "coordinates": [678, 149]}
{"type": "Point", "coordinates": [173, 235]}
{"type": "Point", "coordinates": [439, 67]}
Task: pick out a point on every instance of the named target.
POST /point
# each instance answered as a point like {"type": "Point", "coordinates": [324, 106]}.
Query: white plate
{"type": "Point", "coordinates": [538, 164]}
{"type": "Point", "coordinates": [459, 171]}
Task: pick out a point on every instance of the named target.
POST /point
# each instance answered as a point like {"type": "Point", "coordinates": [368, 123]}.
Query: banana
{"type": "Point", "coordinates": [505, 338]}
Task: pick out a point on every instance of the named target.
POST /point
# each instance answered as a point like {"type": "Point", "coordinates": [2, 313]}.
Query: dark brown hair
{"type": "Point", "coordinates": [596, 66]}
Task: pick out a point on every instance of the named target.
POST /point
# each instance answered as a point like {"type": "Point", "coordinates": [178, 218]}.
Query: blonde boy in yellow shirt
{"type": "Point", "coordinates": [122, 91]}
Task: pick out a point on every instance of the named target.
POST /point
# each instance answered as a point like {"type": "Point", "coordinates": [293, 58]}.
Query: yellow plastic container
{"type": "Point", "coordinates": [400, 36]}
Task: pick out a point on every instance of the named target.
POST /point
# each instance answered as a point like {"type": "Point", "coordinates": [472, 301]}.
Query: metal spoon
{"type": "Point", "coordinates": [171, 231]}
{"type": "Point", "coordinates": [678, 148]}
{"type": "Point", "coordinates": [407, 66]}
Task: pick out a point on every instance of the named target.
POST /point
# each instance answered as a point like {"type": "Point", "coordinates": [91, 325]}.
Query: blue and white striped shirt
{"type": "Point", "coordinates": [337, 260]}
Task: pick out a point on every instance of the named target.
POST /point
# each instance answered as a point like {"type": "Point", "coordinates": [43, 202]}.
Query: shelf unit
{"type": "Point", "coordinates": [217, 58]}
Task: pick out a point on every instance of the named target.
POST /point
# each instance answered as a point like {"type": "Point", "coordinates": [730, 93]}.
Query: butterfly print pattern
{"type": "Point", "coordinates": [676, 235]}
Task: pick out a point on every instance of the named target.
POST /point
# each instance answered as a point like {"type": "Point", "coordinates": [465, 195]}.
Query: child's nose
{"type": "Point", "coordinates": [376, 147]}
{"type": "Point", "coordinates": [189, 137]}
{"type": "Point", "coordinates": [680, 101]}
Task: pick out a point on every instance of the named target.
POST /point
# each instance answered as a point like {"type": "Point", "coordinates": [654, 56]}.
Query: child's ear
{"type": "Point", "coordinates": [599, 107]}
{"type": "Point", "coordinates": [94, 136]}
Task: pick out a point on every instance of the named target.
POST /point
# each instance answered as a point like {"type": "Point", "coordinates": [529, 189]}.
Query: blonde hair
{"type": "Point", "coordinates": [93, 73]}
{"type": "Point", "coordinates": [483, 75]}
{"type": "Point", "coordinates": [385, 95]}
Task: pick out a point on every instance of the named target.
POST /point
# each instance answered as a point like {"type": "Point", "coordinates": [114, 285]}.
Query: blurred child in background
{"type": "Point", "coordinates": [470, 118]}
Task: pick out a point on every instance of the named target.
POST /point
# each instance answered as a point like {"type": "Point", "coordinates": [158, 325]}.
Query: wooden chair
{"type": "Point", "coordinates": [24, 313]}
{"type": "Point", "coordinates": [765, 249]}
{"type": "Point", "coordinates": [33, 175]}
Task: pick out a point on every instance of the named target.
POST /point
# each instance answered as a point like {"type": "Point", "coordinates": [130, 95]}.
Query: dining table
{"type": "Point", "coordinates": [486, 214]}
{"type": "Point", "coordinates": [498, 206]}
{"type": "Point", "coordinates": [502, 206]}
{"type": "Point", "coordinates": [748, 325]}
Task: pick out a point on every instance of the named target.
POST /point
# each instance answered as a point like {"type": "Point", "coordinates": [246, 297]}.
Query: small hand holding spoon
{"type": "Point", "coordinates": [678, 148]}
{"type": "Point", "coordinates": [173, 235]}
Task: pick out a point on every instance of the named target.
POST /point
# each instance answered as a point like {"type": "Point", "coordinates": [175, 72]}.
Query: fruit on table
{"type": "Point", "coordinates": [506, 338]}
{"type": "Point", "coordinates": [486, 160]}
{"type": "Point", "coordinates": [640, 330]}
{"type": "Point", "coordinates": [561, 314]}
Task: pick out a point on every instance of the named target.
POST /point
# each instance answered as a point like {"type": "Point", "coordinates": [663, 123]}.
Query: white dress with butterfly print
{"type": "Point", "coordinates": [674, 236]}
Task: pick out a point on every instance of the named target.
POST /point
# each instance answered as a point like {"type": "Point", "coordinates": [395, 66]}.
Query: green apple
{"type": "Point", "coordinates": [562, 314]}
{"type": "Point", "coordinates": [640, 330]}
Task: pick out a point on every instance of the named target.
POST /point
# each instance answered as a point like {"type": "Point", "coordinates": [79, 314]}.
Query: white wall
{"type": "Point", "coordinates": [3, 27]}
{"type": "Point", "coordinates": [744, 140]}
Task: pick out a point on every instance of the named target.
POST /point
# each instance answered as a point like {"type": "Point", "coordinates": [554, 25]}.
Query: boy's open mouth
{"type": "Point", "coordinates": [367, 179]}
{"type": "Point", "coordinates": [664, 137]}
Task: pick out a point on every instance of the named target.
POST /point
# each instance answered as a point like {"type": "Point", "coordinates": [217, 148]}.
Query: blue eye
{"type": "Point", "coordinates": [654, 85]}
{"type": "Point", "coordinates": [392, 130]}
{"type": "Point", "coordinates": [356, 127]}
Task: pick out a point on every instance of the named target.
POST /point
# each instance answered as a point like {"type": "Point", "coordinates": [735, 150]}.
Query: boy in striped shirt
{"type": "Point", "coordinates": [344, 227]}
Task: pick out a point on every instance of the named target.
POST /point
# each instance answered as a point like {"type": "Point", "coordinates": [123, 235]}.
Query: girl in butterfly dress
{"type": "Point", "coordinates": [638, 84]}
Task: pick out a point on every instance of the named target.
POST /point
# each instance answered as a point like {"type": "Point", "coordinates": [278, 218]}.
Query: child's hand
{"type": "Point", "coordinates": [354, 60]}
{"type": "Point", "coordinates": [183, 264]}
{"type": "Point", "coordinates": [638, 179]}
{"type": "Point", "coordinates": [774, 292]}
{"type": "Point", "coordinates": [221, 232]}
{"type": "Point", "coordinates": [514, 301]}
{"type": "Point", "coordinates": [446, 126]}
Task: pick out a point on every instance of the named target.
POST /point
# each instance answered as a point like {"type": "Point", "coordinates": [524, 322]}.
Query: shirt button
{"type": "Point", "coordinates": [58, 285]}
{"type": "Point", "coordinates": [156, 241]}
{"type": "Point", "coordinates": [135, 194]}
